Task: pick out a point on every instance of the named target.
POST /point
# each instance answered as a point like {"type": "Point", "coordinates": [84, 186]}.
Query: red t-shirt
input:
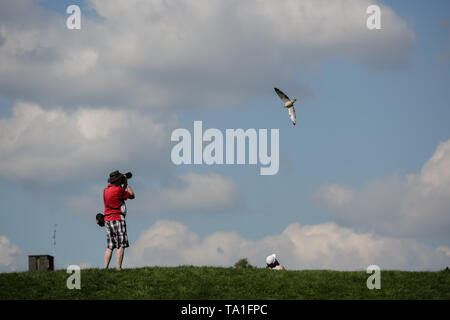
{"type": "Point", "coordinates": [114, 198]}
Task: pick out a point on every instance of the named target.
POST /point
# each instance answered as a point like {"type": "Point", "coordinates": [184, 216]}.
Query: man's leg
{"type": "Point", "coordinates": [108, 254]}
{"type": "Point", "coordinates": [119, 257]}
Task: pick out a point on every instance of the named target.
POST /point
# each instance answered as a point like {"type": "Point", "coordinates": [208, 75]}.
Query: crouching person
{"type": "Point", "coordinates": [114, 197]}
{"type": "Point", "coordinates": [273, 264]}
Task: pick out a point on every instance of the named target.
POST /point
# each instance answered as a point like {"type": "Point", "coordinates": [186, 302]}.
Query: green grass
{"type": "Point", "coordinates": [188, 282]}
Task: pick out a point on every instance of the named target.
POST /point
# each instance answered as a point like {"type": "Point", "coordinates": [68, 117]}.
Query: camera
{"type": "Point", "coordinates": [124, 179]}
{"type": "Point", "coordinates": [128, 175]}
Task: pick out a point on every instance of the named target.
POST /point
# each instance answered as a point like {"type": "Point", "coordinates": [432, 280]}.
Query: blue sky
{"type": "Point", "coordinates": [357, 122]}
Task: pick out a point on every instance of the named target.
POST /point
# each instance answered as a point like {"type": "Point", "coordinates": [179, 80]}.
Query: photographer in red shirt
{"type": "Point", "coordinates": [114, 197]}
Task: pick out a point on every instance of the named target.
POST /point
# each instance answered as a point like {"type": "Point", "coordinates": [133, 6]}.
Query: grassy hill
{"type": "Point", "coordinates": [188, 282]}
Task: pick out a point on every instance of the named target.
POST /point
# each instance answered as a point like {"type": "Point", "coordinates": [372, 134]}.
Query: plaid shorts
{"type": "Point", "coordinates": [116, 234]}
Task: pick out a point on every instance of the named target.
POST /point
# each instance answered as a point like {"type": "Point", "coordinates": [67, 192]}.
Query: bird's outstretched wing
{"type": "Point", "coordinates": [292, 115]}
{"type": "Point", "coordinates": [282, 96]}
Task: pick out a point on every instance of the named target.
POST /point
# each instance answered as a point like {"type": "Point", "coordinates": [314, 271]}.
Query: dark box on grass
{"type": "Point", "coordinates": [40, 262]}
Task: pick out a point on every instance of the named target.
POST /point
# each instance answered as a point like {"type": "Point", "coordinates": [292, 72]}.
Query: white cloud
{"type": "Point", "coordinates": [444, 250]}
{"type": "Point", "coordinates": [322, 246]}
{"type": "Point", "coordinates": [183, 53]}
{"type": "Point", "coordinates": [416, 205]}
{"type": "Point", "coordinates": [52, 145]}
{"type": "Point", "coordinates": [200, 192]}
{"type": "Point", "coordinates": [9, 255]}
{"type": "Point", "coordinates": [335, 195]}
{"type": "Point", "coordinates": [79, 63]}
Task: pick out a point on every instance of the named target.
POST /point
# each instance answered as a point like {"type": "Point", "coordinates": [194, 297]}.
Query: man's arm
{"type": "Point", "coordinates": [130, 191]}
{"type": "Point", "coordinates": [127, 188]}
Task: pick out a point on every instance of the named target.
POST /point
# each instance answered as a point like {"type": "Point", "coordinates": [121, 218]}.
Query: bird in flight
{"type": "Point", "coordinates": [288, 103]}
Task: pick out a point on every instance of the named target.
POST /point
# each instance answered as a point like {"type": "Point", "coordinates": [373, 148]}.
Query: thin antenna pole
{"type": "Point", "coordinates": [54, 240]}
